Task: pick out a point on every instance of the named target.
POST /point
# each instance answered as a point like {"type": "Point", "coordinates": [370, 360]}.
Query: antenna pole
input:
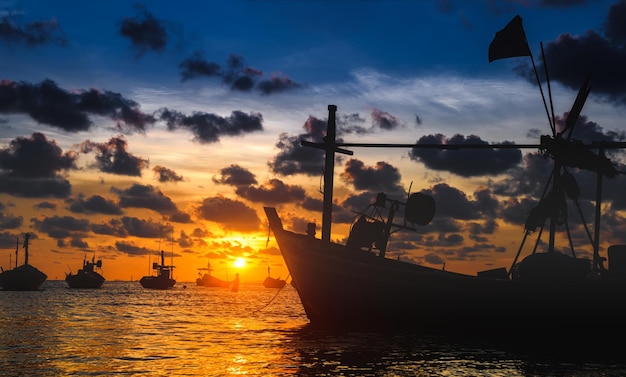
{"type": "Point", "coordinates": [545, 69]}
{"type": "Point", "coordinates": [542, 95]}
{"type": "Point", "coordinates": [596, 230]}
{"type": "Point", "coordinates": [329, 172]}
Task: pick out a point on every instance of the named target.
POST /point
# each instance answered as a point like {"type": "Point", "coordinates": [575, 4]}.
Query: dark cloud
{"type": "Point", "coordinates": [35, 157]}
{"type": "Point", "coordinates": [272, 192]}
{"type": "Point", "coordinates": [236, 75]}
{"type": "Point", "coordinates": [30, 167]}
{"type": "Point", "coordinates": [31, 34]}
{"type": "Point", "coordinates": [48, 104]}
{"type": "Point", "coordinates": [166, 175]}
{"type": "Point", "coordinates": [8, 240]}
{"type": "Point", "coordinates": [384, 120]}
{"type": "Point", "coordinates": [454, 203]}
{"type": "Point", "coordinates": [8, 220]}
{"type": "Point", "coordinates": [382, 177]}
{"type": "Point", "coordinates": [35, 188]}
{"type": "Point", "coordinates": [276, 84]}
{"type": "Point", "coordinates": [230, 214]}
{"type": "Point", "coordinates": [294, 158]}
{"type": "Point", "coordinates": [208, 128]}
{"type": "Point", "coordinates": [93, 205]}
{"type": "Point", "coordinates": [235, 175]}
{"type": "Point", "coordinates": [46, 205]}
{"type": "Point", "coordinates": [196, 66]}
{"type": "Point", "coordinates": [114, 227]}
{"type": "Point", "coordinates": [132, 250]}
{"type": "Point", "coordinates": [570, 58]}
{"type": "Point", "coordinates": [61, 226]}
{"type": "Point", "coordinates": [466, 162]}
{"type": "Point", "coordinates": [145, 32]}
{"type": "Point", "coordinates": [143, 228]}
{"type": "Point", "coordinates": [145, 196]}
{"type": "Point", "coordinates": [112, 157]}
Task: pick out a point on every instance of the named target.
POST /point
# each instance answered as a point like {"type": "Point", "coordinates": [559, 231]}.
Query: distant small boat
{"type": "Point", "coordinates": [24, 277]}
{"type": "Point", "coordinates": [162, 279]}
{"type": "Point", "coordinates": [271, 282]}
{"type": "Point", "coordinates": [208, 280]}
{"type": "Point", "coordinates": [87, 277]}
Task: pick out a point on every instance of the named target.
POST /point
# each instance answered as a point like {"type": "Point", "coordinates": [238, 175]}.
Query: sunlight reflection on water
{"type": "Point", "coordinates": [123, 329]}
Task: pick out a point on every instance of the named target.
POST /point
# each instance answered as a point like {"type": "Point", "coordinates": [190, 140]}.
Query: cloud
{"type": "Point", "coordinates": [294, 158]}
{"type": "Point", "coordinates": [230, 214]}
{"type": "Point", "coordinates": [94, 204]}
{"type": "Point", "coordinates": [236, 75]}
{"type": "Point", "coordinates": [60, 226]}
{"type": "Point", "coordinates": [465, 162]}
{"type": "Point", "coordinates": [570, 58]}
{"type": "Point", "coordinates": [384, 120]}
{"type": "Point", "coordinates": [131, 249]}
{"type": "Point", "coordinates": [31, 34]}
{"type": "Point", "coordinates": [272, 192]}
{"type": "Point", "coordinates": [196, 66]}
{"type": "Point", "coordinates": [114, 228]}
{"type": "Point", "coordinates": [145, 32]}
{"type": "Point", "coordinates": [235, 175]}
{"type": "Point", "coordinates": [48, 104]}
{"type": "Point", "coordinates": [8, 220]}
{"type": "Point", "coordinates": [30, 167]}
{"type": "Point", "coordinates": [145, 196]}
{"type": "Point", "coordinates": [166, 175]}
{"type": "Point", "coordinates": [382, 177]}
{"type": "Point", "coordinates": [112, 157]}
{"type": "Point", "coordinates": [208, 128]}
{"type": "Point", "coordinates": [143, 228]}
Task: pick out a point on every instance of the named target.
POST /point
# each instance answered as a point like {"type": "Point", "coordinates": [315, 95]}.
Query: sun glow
{"type": "Point", "coordinates": [239, 262]}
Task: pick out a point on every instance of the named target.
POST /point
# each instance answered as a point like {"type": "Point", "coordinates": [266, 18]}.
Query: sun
{"type": "Point", "coordinates": [239, 262]}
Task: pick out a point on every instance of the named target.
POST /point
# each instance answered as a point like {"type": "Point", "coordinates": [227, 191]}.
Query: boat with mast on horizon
{"type": "Point", "coordinates": [549, 294]}
{"type": "Point", "coordinates": [87, 276]}
{"type": "Point", "coordinates": [162, 277]}
{"type": "Point", "coordinates": [209, 280]}
{"type": "Point", "coordinates": [25, 277]}
{"type": "Point", "coordinates": [271, 282]}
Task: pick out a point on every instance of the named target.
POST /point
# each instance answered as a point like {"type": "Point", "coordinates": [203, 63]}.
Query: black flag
{"type": "Point", "coordinates": [510, 41]}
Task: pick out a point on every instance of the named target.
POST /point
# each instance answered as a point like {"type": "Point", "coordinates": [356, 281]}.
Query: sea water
{"type": "Point", "coordinates": [123, 329]}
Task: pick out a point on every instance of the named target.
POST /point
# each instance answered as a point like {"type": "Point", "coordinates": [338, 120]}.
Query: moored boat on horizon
{"type": "Point", "coordinates": [163, 276]}
{"type": "Point", "coordinates": [86, 277]}
{"type": "Point", "coordinates": [208, 280]}
{"type": "Point", "coordinates": [24, 277]}
{"type": "Point", "coordinates": [271, 282]}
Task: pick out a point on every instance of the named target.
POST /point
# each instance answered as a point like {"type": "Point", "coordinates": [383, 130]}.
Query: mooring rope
{"type": "Point", "coordinates": [272, 299]}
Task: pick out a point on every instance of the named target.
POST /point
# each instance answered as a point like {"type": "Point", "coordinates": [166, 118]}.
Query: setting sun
{"type": "Point", "coordinates": [239, 262]}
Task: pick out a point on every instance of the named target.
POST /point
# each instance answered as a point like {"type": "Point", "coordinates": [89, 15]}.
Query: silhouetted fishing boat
{"type": "Point", "coordinates": [86, 277]}
{"type": "Point", "coordinates": [208, 280]}
{"type": "Point", "coordinates": [545, 294]}
{"type": "Point", "coordinates": [24, 277]}
{"type": "Point", "coordinates": [163, 278]}
{"type": "Point", "coordinates": [271, 282]}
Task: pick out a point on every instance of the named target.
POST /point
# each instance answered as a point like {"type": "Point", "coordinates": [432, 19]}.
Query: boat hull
{"type": "Point", "coordinates": [22, 278]}
{"type": "Point", "coordinates": [343, 288]}
{"type": "Point", "coordinates": [270, 282]}
{"type": "Point", "coordinates": [211, 281]}
{"type": "Point", "coordinates": [157, 282]}
{"type": "Point", "coordinates": [86, 280]}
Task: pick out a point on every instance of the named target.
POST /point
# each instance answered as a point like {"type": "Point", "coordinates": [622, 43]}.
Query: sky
{"type": "Point", "coordinates": [129, 128]}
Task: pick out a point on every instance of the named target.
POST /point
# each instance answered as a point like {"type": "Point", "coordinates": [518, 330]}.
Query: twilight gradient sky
{"type": "Point", "coordinates": [124, 127]}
